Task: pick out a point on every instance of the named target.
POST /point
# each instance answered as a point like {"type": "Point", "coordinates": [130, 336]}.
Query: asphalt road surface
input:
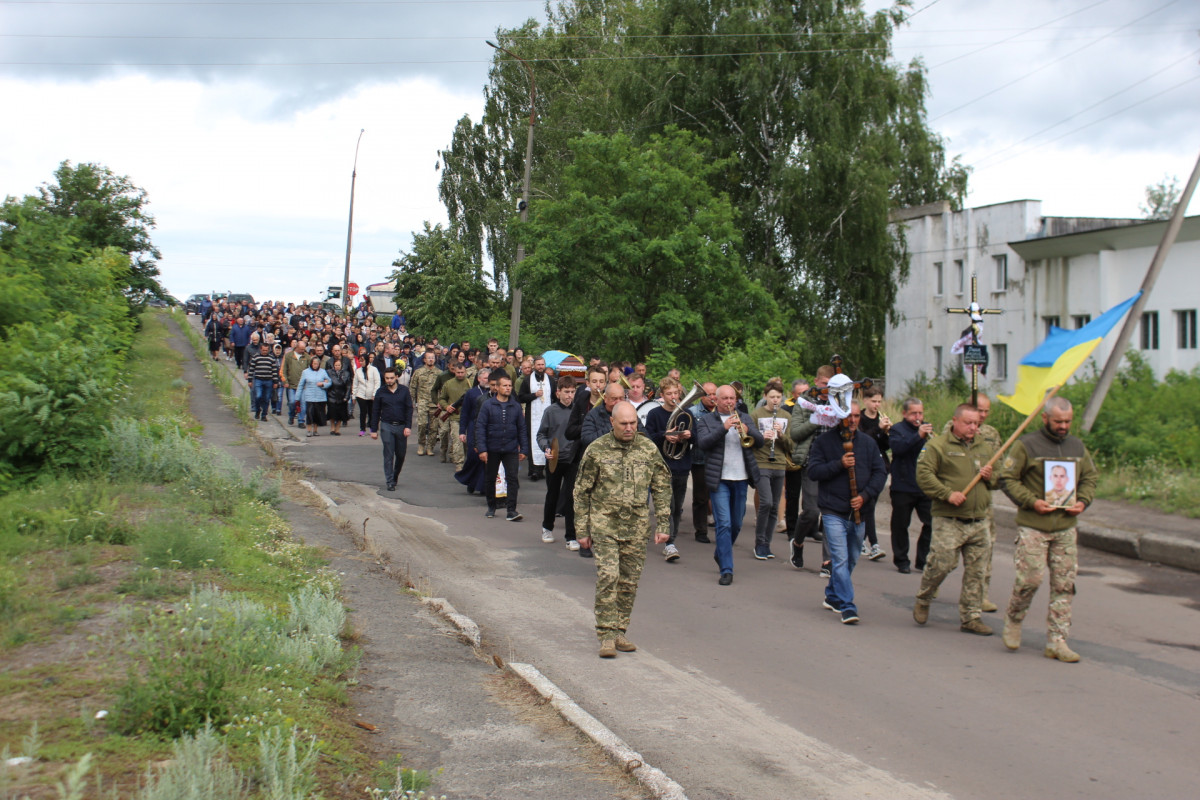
{"type": "Point", "coordinates": [755, 691]}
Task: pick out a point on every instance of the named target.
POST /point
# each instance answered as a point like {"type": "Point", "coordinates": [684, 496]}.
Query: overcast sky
{"type": "Point", "coordinates": [240, 119]}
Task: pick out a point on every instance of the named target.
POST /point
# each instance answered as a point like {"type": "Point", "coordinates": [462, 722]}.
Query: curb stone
{"type": "Point", "coordinates": [629, 760]}
{"type": "Point", "coordinates": [654, 779]}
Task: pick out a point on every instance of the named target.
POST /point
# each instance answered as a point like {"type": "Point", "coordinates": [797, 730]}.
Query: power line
{"type": "Point", "coordinates": [1018, 35]}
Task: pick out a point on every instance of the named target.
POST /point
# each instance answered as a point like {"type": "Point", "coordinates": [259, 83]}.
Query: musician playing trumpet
{"type": "Point", "coordinates": [727, 439]}
{"type": "Point", "coordinates": [772, 421]}
{"type": "Point", "coordinates": [678, 435]}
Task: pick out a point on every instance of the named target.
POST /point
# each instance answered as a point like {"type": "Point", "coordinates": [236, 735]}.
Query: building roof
{"type": "Point", "coordinates": [1123, 235]}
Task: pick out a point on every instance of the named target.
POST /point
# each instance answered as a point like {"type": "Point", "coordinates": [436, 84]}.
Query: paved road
{"type": "Point", "coordinates": [755, 691]}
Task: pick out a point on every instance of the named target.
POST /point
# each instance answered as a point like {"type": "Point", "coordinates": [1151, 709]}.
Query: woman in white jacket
{"type": "Point", "coordinates": [366, 383]}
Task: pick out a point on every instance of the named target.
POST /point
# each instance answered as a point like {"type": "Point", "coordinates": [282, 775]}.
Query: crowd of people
{"type": "Point", "coordinates": [614, 447]}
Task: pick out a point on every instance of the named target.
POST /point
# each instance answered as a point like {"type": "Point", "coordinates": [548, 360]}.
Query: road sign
{"type": "Point", "coordinates": [353, 289]}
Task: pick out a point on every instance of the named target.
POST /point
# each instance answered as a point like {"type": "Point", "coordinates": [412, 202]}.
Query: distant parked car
{"type": "Point", "coordinates": [193, 304]}
{"type": "Point", "coordinates": [241, 298]}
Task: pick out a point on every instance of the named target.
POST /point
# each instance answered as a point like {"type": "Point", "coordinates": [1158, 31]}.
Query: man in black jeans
{"type": "Point", "coordinates": [500, 439]}
{"type": "Point", "coordinates": [391, 414]}
{"type": "Point", "coordinates": [907, 438]}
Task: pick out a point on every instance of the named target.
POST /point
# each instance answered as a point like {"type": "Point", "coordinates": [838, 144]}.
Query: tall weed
{"type": "Point", "coordinates": [198, 770]}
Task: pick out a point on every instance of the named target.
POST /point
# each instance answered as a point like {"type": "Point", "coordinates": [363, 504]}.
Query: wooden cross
{"type": "Point", "coordinates": [975, 312]}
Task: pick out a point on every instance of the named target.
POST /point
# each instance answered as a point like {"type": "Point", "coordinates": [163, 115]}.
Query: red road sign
{"type": "Point", "coordinates": [353, 289]}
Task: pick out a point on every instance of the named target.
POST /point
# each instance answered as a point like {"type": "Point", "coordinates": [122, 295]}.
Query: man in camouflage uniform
{"type": "Point", "coordinates": [421, 386]}
{"type": "Point", "coordinates": [612, 518]}
{"type": "Point", "coordinates": [992, 437]}
{"type": "Point", "coordinates": [451, 397]}
{"type": "Point", "coordinates": [945, 466]}
{"type": "Point", "coordinates": [1046, 535]}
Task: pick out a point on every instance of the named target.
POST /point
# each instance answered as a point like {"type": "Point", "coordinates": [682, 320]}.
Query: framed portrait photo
{"type": "Point", "coordinates": [1060, 483]}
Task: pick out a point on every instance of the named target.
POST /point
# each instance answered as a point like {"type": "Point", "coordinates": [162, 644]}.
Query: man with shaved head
{"type": "Point", "coordinates": [1045, 534]}
{"type": "Point", "coordinates": [613, 519]}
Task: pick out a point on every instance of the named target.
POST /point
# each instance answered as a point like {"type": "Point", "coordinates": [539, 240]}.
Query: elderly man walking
{"type": "Point", "coordinates": [612, 518]}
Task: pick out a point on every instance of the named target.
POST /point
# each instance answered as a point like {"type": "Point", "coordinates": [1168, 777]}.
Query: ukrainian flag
{"type": "Point", "coordinates": [1054, 361]}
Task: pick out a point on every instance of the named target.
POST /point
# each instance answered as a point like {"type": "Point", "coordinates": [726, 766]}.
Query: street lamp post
{"type": "Point", "coordinates": [514, 326]}
{"type": "Point", "coordinates": [350, 227]}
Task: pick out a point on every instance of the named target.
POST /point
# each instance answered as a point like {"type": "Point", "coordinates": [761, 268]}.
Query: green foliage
{"type": "Point", "coordinates": [640, 254]}
{"type": "Point", "coordinates": [173, 543]}
{"type": "Point", "coordinates": [766, 356]}
{"type": "Point", "coordinates": [99, 210]}
{"type": "Point", "coordinates": [1161, 198]}
{"type": "Point", "coordinates": [285, 765]}
{"type": "Point", "coordinates": [57, 512]}
{"type": "Point", "coordinates": [437, 285]}
{"type": "Point", "coordinates": [199, 769]}
{"type": "Point", "coordinates": [823, 131]}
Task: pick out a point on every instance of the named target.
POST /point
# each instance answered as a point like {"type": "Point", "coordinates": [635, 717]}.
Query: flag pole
{"type": "Point", "coordinates": [1020, 429]}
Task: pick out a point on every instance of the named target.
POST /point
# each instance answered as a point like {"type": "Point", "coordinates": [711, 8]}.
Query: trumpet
{"type": "Point", "coordinates": [746, 439]}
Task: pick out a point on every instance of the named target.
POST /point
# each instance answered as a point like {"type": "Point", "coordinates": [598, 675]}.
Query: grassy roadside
{"type": "Point", "coordinates": [161, 634]}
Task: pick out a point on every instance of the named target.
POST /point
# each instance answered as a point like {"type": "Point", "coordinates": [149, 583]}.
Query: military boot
{"type": "Point", "coordinates": [989, 606]}
{"type": "Point", "coordinates": [921, 611]}
{"type": "Point", "coordinates": [420, 449]}
{"type": "Point", "coordinates": [608, 649]}
{"type": "Point", "coordinates": [1012, 633]}
{"type": "Point", "coordinates": [624, 645]}
{"type": "Point", "coordinates": [1057, 648]}
{"type": "Point", "coordinates": [975, 626]}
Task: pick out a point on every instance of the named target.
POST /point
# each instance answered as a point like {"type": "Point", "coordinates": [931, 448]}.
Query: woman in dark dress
{"type": "Point", "coordinates": [338, 394]}
{"type": "Point", "coordinates": [473, 474]}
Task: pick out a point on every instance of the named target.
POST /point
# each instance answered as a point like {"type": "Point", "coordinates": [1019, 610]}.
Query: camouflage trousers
{"type": "Point", "coordinates": [987, 567]}
{"type": "Point", "coordinates": [426, 427]}
{"type": "Point", "coordinates": [950, 537]}
{"type": "Point", "coordinates": [619, 564]}
{"type": "Point", "coordinates": [452, 446]}
{"type": "Point", "coordinates": [1036, 549]}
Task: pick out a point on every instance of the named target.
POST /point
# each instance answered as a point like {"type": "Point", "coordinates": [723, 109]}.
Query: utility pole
{"type": "Point", "coordinates": [514, 325]}
{"type": "Point", "coordinates": [350, 229]}
{"type": "Point", "coordinates": [1135, 313]}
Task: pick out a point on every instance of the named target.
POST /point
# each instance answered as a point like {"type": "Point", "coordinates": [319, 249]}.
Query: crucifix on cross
{"type": "Point", "coordinates": [975, 312]}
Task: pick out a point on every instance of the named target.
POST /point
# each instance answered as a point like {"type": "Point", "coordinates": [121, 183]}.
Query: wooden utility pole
{"type": "Point", "coordinates": [1135, 313]}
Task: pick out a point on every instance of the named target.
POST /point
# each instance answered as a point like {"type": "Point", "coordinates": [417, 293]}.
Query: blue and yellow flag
{"type": "Point", "coordinates": [1054, 361]}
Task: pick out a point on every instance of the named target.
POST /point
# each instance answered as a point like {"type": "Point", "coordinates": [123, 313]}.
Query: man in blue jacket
{"type": "Point", "coordinates": [907, 438]}
{"type": "Point", "coordinates": [239, 337]}
{"type": "Point", "coordinates": [500, 439]}
{"type": "Point", "coordinates": [729, 469]}
{"type": "Point", "coordinates": [829, 464]}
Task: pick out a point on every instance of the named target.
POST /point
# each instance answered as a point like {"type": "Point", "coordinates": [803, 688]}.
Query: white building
{"type": "Point", "coordinates": [1040, 271]}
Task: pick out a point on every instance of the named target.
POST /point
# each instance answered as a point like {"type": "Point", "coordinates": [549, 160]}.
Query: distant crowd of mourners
{"type": "Point", "coordinates": [818, 454]}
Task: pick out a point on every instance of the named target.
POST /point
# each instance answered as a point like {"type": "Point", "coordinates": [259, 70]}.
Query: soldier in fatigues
{"type": "Point", "coordinates": [450, 397]}
{"type": "Point", "coordinates": [421, 386]}
{"type": "Point", "coordinates": [992, 437]}
{"type": "Point", "coordinates": [1046, 535]}
{"type": "Point", "coordinates": [613, 519]}
{"type": "Point", "coordinates": [946, 465]}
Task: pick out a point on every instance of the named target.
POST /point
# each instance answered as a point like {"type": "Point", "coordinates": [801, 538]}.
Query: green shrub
{"type": "Point", "coordinates": [175, 543]}
{"type": "Point", "coordinates": [199, 769]}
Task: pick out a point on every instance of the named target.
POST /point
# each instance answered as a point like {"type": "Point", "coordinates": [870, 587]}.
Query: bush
{"type": "Point", "coordinates": [175, 544]}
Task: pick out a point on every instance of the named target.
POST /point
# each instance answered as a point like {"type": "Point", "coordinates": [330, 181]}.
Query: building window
{"type": "Point", "coordinates": [940, 277]}
{"type": "Point", "coordinates": [1051, 322]}
{"type": "Point", "coordinates": [1000, 264]}
{"type": "Point", "coordinates": [1150, 330]}
{"type": "Point", "coordinates": [937, 361]}
{"type": "Point", "coordinates": [1185, 323]}
{"type": "Point", "coordinates": [1079, 320]}
{"type": "Point", "coordinates": [960, 276]}
{"type": "Point", "coordinates": [999, 361]}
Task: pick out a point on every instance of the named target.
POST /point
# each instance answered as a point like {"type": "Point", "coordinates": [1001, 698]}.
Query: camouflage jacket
{"type": "Point", "coordinates": [421, 386]}
{"type": "Point", "coordinates": [946, 465]}
{"type": "Point", "coordinates": [1024, 473]}
{"type": "Point", "coordinates": [610, 489]}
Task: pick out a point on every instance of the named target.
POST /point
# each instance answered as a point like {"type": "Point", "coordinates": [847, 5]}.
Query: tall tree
{"type": "Point", "coordinates": [638, 254]}
{"type": "Point", "coordinates": [825, 132]}
{"type": "Point", "coordinates": [101, 209]}
{"type": "Point", "coordinates": [1161, 198]}
{"type": "Point", "coordinates": [436, 283]}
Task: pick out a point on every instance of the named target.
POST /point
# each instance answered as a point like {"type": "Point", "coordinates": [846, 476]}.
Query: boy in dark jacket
{"type": "Point", "coordinates": [554, 427]}
{"type": "Point", "coordinates": [499, 438]}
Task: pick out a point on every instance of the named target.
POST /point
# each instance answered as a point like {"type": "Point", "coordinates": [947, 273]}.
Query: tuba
{"type": "Point", "coordinates": [681, 421]}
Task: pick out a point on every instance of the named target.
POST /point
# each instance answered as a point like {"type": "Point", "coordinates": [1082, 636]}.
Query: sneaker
{"type": "Point", "coordinates": [827, 569]}
{"type": "Point", "coordinates": [849, 618]}
{"type": "Point", "coordinates": [796, 553]}
{"type": "Point", "coordinates": [702, 538]}
{"type": "Point", "coordinates": [671, 553]}
{"type": "Point", "coordinates": [865, 550]}
{"type": "Point", "coordinates": [976, 626]}
{"type": "Point", "coordinates": [515, 516]}
{"type": "Point", "coordinates": [831, 605]}
{"type": "Point", "coordinates": [491, 512]}
{"type": "Point", "coordinates": [585, 552]}
{"type": "Point", "coordinates": [362, 433]}
{"type": "Point", "coordinates": [572, 545]}
{"type": "Point", "coordinates": [876, 553]}
{"type": "Point", "coordinates": [547, 535]}
{"type": "Point", "coordinates": [760, 553]}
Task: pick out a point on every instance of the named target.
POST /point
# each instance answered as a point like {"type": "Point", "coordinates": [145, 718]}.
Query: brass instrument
{"type": "Point", "coordinates": [681, 421]}
{"type": "Point", "coordinates": [746, 438]}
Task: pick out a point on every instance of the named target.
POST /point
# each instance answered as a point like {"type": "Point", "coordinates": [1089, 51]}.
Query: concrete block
{"type": "Point", "coordinates": [1170, 550]}
{"type": "Point", "coordinates": [1110, 540]}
